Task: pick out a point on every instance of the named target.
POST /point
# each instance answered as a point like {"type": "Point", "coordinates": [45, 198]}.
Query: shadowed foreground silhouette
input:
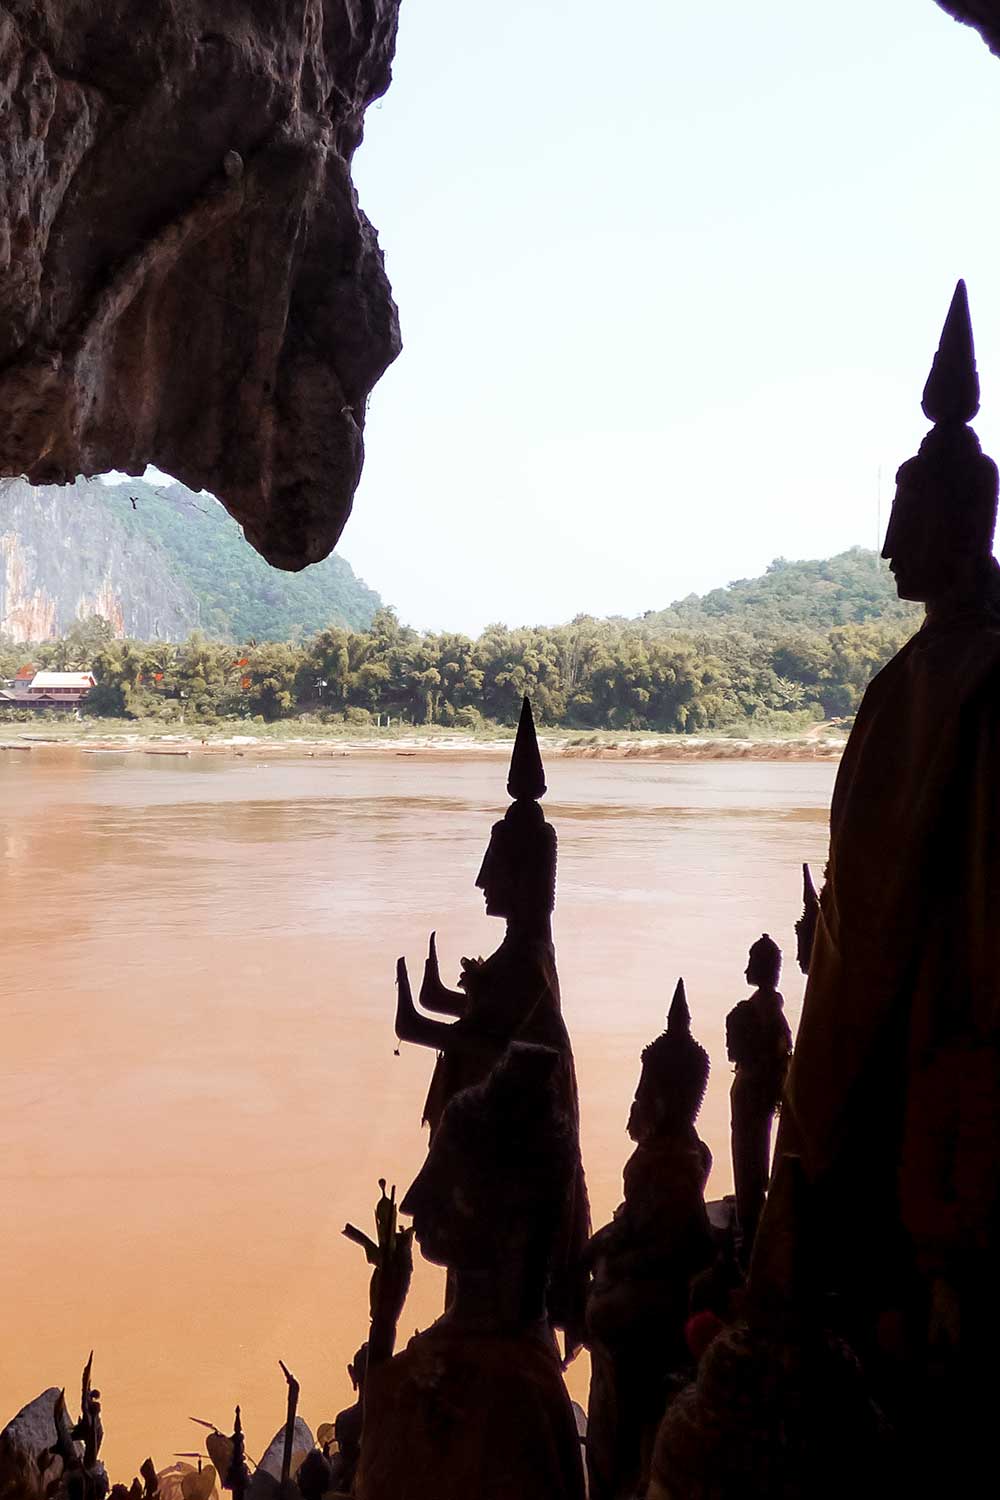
{"type": "Point", "coordinates": [893, 1100]}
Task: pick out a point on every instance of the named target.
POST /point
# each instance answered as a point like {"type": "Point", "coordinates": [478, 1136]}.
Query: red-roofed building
{"type": "Point", "coordinates": [48, 689]}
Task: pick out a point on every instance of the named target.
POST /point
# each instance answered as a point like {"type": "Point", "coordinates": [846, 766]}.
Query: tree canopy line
{"type": "Point", "coordinates": [776, 653]}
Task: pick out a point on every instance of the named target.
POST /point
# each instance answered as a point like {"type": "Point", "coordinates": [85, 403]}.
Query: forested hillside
{"type": "Point", "coordinates": [777, 653]}
{"type": "Point", "coordinates": [850, 589]}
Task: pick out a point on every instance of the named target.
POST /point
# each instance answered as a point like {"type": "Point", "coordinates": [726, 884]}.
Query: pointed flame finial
{"type": "Point", "coordinates": [952, 390]}
{"type": "Point", "coordinates": [679, 1016]}
{"type": "Point", "coordinates": [526, 779]}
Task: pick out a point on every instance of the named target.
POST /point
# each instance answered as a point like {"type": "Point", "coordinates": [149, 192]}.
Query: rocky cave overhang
{"type": "Point", "coordinates": [984, 15]}
{"type": "Point", "coordinates": [186, 276]}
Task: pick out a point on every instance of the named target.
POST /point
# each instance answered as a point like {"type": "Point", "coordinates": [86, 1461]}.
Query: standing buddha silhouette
{"type": "Point", "coordinates": [893, 1097]}
{"type": "Point", "coordinates": [511, 996]}
{"type": "Point", "coordinates": [644, 1261]}
{"type": "Point", "coordinates": [759, 1042]}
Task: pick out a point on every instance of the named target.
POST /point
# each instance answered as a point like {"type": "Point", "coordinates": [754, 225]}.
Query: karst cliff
{"type": "Point", "coordinates": [186, 276]}
{"type": "Point", "coordinates": [156, 562]}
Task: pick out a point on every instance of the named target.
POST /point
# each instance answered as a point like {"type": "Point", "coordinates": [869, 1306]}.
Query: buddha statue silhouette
{"type": "Point", "coordinates": [644, 1261]}
{"type": "Point", "coordinates": [893, 1096]}
{"type": "Point", "coordinates": [511, 996]}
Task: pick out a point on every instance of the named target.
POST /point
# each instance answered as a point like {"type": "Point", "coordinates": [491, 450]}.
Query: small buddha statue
{"type": "Point", "coordinates": [476, 1404]}
{"type": "Point", "coordinates": [759, 1042]}
{"type": "Point", "coordinates": [236, 1476]}
{"type": "Point", "coordinates": [511, 996]}
{"type": "Point", "coordinates": [644, 1260]}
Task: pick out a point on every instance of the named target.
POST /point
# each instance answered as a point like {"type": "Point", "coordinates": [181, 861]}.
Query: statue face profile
{"type": "Point", "coordinates": [496, 879]}
{"type": "Point", "coordinates": [452, 1222]}
{"type": "Point", "coordinates": [647, 1115]}
{"type": "Point", "coordinates": [497, 1167]}
{"type": "Point", "coordinates": [920, 557]}
{"type": "Point", "coordinates": [763, 969]}
{"type": "Point", "coordinates": [517, 875]}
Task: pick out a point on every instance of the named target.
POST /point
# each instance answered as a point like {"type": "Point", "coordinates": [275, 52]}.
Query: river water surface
{"type": "Point", "coordinates": [196, 1048]}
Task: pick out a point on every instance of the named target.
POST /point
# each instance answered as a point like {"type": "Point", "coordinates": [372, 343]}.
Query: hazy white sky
{"type": "Point", "coordinates": [670, 279]}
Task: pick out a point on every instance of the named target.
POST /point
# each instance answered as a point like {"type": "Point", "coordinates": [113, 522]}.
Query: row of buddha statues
{"type": "Point", "coordinates": [501, 1203]}
{"type": "Point", "coordinates": [844, 1336]}
{"type": "Point", "coordinates": [840, 1334]}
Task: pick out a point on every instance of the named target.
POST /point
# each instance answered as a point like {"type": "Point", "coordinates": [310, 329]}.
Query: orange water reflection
{"type": "Point", "coordinates": [198, 1080]}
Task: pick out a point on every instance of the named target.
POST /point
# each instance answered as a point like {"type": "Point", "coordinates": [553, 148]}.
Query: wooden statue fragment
{"type": "Point", "coordinates": [511, 996]}
{"type": "Point", "coordinates": [237, 1476]}
{"type": "Point", "coordinates": [391, 1257]}
{"type": "Point", "coordinates": [805, 927]}
{"type": "Point", "coordinates": [290, 1414]}
{"type": "Point", "coordinates": [347, 1427]}
{"type": "Point", "coordinates": [759, 1042]}
{"type": "Point", "coordinates": [150, 1480]}
{"type": "Point", "coordinates": [86, 1477]}
{"type": "Point", "coordinates": [644, 1261]}
{"type": "Point", "coordinates": [893, 1097]}
{"type": "Point", "coordinates": [476, 1404]}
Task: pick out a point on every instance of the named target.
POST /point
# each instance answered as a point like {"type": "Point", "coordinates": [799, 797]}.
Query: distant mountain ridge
{"type": "Point", "coordinates": [157, 561]}
{"type": "Point", "coordinates": [852, 588]}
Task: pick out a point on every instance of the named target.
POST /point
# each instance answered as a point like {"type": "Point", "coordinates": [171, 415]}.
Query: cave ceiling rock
{"type": "Point", "coordinates": [186, 276]}
{"type": "Point", "coordinates": [984, 15]}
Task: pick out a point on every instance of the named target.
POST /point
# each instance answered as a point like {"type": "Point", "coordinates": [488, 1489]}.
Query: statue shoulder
{"type": "Point", "coordinates": [741, 1026]}
{"type": "Point", "coordinates": [453, 1395]}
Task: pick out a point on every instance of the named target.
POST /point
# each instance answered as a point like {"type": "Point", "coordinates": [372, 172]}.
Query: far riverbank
{"type": "Point", "coordinates": [821, 742]}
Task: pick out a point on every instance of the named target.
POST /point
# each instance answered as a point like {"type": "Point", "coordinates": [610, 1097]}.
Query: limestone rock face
{"type": "Point", "coordinates": [63, 558]}
{"type": "Point", "coordinates": [186, 277]}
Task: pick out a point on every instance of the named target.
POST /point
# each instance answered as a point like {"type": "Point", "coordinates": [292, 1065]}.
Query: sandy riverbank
{"type": "Point", "coordinates": [821, 743]}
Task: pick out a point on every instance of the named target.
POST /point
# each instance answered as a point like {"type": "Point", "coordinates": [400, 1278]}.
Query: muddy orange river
{"type": "Point", "coordinates": [199, 1085]}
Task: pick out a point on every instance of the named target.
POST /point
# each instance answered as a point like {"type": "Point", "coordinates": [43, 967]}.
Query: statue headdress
{"type": "Point", "coordinates": [523, 838]}
{"type": "Point", "coordinates": [678, 1064]}
{"type": "Point", "coordinates": [950, 468]}
{"type": "Point", "coordinates": [951, 391]}
{"type": "Point", "coordinates": [526, 777]}
{"type": "Point", "coordinates": [766, 951]}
